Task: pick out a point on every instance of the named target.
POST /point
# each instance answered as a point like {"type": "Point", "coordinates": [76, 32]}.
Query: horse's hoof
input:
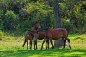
{"type": "Point", "coordinates": [30, 48]}
{"type": "Point", "coordinates": [62, 48]}
{"type": "Point", "coordinates": [41, 48]}
{"type": "Point", "coordinates": [22, 46]}
{"type": "Point", "coordinates": [46, 49]}
{"type": "Point", "coordinates": [34, 49]}
{"type": "Point", "coordinates": [70, 47]}
{"type": "Point", "coordinates": [52, 47]}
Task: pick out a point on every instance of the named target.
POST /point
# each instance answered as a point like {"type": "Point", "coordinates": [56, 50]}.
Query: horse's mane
{"type": "Point", "coordinates": [38, 30]}
{"type": "Point", "coordinates": [31, 30]}
{"type": "Point", "coordinates": [42, 30]}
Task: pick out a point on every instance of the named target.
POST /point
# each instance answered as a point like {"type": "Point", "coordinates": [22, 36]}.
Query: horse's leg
{"type": "Point", "coordinates": [68, 41]}
{"type": "Point", "coordinates": [30, 44]}
{"type": "Point", "coordinates": [42, 44]}
{"type": "Point", "coordinates": [51, 43]}
{"type": "Point", "coordinates": [27, 44]}
{"type": "Point", "coordinates": [24, 42]}
{"type": "Point", "coordinates": [36, 45]}
{"type": "Point", "coordinates": [47, 44]}
{"type": "Point", "coordinates": [64, 44]}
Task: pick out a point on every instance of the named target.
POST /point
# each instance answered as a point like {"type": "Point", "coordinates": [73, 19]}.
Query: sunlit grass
{"type": "Point", "coordinates": [12, 47]}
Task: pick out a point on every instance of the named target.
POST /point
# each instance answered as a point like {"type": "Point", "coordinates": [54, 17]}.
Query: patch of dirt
{"type": "Point", "coordinates": [11, 43]}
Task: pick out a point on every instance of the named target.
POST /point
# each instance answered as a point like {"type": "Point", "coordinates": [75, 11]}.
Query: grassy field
{"type": "Point", "coordinates": [12, 47]}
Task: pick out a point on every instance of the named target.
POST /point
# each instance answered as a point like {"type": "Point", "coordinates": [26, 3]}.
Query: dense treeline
{"type": "Point", "coordinates": [20, 15]}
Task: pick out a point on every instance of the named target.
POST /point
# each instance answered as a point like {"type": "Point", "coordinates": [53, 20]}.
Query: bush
{"type": "Point", "coordinates": [9, 20]}
{"type": "Point", "coordinates": [1, 34]}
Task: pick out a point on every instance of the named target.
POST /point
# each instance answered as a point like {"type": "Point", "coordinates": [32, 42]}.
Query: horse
{"type": "Point", "coordinates": [53, 34]}
{"type": "Point", "coordinates": [27, 37]}
{"type": "Point", "coordinates": [41, 37]}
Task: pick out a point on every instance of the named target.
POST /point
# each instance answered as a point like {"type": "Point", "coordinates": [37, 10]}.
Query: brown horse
{"type": "Point", "coordinates": [53, 34]}
{"type": "Point", "coordinates": [27, 37]}
{"type": "Point", "coordinates": [41, 37]}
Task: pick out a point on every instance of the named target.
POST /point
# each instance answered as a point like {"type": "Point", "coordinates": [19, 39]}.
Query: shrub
{"type": "Point", "coordinates": [9, 20]}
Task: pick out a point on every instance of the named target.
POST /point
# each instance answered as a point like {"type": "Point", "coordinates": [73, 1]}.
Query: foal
{"type": "Point", "coordinates": [27, 37]}
{"type": "Point", "coordinates": [30, 35]}
{"type": "Point", "coordinates": [41, 36]}
{"type": "Point", "coordinates": [53, 34]}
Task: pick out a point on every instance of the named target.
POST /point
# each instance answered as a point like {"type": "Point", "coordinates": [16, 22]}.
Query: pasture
{"type": "Point", "coordinates": [12, 47]}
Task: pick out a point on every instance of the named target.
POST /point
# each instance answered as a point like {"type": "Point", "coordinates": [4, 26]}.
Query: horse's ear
{"type": "Point", "coordinates": [36, 22]}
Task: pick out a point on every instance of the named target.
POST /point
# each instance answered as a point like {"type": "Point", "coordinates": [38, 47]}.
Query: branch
{"type": "Point", "coordinates": [61, 1]}
{"type": "Point", "coordinates": [67, 8]}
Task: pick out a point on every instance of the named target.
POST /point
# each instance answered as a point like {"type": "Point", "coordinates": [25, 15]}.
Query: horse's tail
{"type": "Point", "coordinates": [24, 42]}
{"type": "Point", "coordinates": [67, 34]}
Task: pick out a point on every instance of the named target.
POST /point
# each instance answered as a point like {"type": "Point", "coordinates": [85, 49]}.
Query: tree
{"type": "Point", "coordinates": [57, 19]}
{"type": "Point", "coordinates": [57, 22]}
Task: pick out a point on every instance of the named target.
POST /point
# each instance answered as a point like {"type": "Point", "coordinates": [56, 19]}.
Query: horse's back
{"type": "Point", "coordinates": [64, 32]}
{"type": "Point", "coordinates": [42, 34]}
{"type": "Point", "coordinates": [58, 33]}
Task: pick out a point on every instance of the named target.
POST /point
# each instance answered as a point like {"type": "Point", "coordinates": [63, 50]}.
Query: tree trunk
{"type": "Point", "coordinates": [57, 22]}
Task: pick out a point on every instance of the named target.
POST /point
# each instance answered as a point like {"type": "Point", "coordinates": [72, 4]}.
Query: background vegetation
{"type": "Point", "coordinates": [20, 15]}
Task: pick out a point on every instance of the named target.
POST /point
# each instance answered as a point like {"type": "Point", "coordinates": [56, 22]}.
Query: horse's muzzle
{"type": "Point", "coordinates": [27, 36]}
{"type": "Point", "coordinates": [34, 39]}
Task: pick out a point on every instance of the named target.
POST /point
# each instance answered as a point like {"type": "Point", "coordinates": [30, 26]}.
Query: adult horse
{"type": "Point", "coordinates": [27, 37]}
{"type": "Point", "coordinates": [53, 34]}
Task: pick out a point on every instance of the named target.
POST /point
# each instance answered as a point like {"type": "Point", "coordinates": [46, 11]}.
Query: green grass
{"type": "Point", "coordinates": [12, 47]}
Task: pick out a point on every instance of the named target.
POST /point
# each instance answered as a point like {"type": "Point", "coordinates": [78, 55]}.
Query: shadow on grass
{"type": "Point", "coordinates": [44, 53]}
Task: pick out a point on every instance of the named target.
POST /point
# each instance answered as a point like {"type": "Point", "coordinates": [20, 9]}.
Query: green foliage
{"type": "Point", "coordinates": [20, 15]}
{"type": "Point", "coordinates": [76, 17]}
{"type": "Point", "coordinates": [62, 6]}
{"type": "Point", "coordinates": [65, 23]}
{"type": "Point", "coordinates": [9, 20]}
{"type": "Point", "coordinates": [39, 8]}
{"type": "Point", "coordinates": [36, 11]}
{"type": "Point", "coordinates": [1, 34]}
{"type": "Point", "coordinates": [1, 17]}
{"type": "Point", "coordinates": [11, 15]}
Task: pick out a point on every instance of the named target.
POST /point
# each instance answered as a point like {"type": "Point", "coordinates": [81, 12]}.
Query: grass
{"type": "Point", "coordinates": [12, 47]}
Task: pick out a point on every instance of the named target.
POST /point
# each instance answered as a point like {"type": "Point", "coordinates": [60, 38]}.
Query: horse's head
{"type": "Point", "coordinates": [29, 34]}
{"type": "Point", "coordinates": [37, 25]}
{"type": "Point", "coordinates": [36, 35]}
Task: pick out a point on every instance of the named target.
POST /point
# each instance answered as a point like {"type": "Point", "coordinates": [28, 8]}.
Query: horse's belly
{"type": "Point", "coordinates": [41, 38]}
{"type": "Point", "coordinates": [56, 37]}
